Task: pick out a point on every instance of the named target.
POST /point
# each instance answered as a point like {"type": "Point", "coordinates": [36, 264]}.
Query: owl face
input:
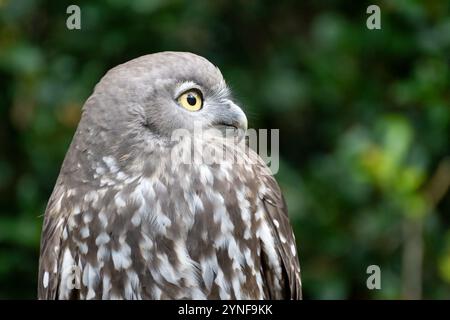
{"type": "Point", "coordinates": [191, 103]}
{"type": "Point", "coordinates": [170, 91]}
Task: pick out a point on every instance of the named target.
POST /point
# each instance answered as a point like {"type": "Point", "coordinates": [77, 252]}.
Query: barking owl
{"type": "Point", "coordinates": [129, 218]}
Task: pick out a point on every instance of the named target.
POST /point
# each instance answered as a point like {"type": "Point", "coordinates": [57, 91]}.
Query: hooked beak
{"type": "Point", "coordinates": [233, 122]}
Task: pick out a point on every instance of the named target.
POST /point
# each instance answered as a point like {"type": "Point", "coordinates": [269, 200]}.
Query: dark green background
{"type": "Point", "coordinates": [364, 119]}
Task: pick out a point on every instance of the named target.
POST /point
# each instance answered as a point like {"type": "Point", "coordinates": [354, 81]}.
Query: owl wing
{"type": "Point", "coordinates": [51, 243]}
{"type": "Point", "coordinates": [276, 216]}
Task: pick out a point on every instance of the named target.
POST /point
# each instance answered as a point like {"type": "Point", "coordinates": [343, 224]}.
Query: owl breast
{"type": "Point", "coordinates": [195, 232]}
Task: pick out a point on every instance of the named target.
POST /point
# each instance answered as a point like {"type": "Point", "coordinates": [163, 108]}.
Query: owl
{"type": "Point", "coordinates": [134, 216]}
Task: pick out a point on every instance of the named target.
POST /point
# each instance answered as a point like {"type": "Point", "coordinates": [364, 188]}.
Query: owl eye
{"type": "Point", "coordinates": [191, 100]}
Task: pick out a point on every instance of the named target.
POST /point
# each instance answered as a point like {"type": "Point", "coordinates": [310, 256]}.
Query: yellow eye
{"type": "Point", "coordinates": [191, 100]}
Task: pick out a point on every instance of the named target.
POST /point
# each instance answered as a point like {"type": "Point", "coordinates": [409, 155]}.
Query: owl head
{"type": "Point", "coordinates": [163, 92]}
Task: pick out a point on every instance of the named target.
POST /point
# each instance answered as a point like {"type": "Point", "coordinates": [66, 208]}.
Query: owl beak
{"type": "Point", "coordinates": [241, 124]}
{"type": "Point", "coordinates": [238, 121]}
{"type": "Point", "coordinates": [234, 120]}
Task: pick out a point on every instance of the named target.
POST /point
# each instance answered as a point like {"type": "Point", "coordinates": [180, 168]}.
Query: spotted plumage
{"type": "Point", "coordinates": [129, 218]}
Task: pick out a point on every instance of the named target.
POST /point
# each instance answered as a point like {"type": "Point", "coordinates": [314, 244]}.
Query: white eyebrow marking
{"type": "Point", "coordinates": [185, 86]}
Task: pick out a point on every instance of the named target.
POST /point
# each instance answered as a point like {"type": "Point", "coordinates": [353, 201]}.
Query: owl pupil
{"type": "Point", "coordinates": [191, 100]}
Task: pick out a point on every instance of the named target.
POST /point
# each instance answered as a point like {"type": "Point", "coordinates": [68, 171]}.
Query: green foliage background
{"type": "Point", "coordinates": [364, 119]}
